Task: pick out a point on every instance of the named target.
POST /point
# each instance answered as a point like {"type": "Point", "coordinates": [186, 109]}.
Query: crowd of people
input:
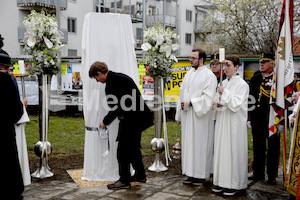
{"type": "Point", "coordinates": [213, 112]}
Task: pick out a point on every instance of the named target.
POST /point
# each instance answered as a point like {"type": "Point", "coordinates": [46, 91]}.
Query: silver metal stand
{"type": "Point", "coordinates": [43, 148]}
{"type": "Point", "coordinates": [158, 166]}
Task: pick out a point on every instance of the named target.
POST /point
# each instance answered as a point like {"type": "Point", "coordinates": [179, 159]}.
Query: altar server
{"type": "Point", "coordinates": [194, 111]}
{"type": "Point", "coordinates": [231, 145]}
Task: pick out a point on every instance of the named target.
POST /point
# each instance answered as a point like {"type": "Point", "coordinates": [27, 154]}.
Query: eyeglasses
{"type": "Point", "coordinates": [192, 58]}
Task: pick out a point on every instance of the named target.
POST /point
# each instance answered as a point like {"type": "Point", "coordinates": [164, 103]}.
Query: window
{"type": "Point", "coordinates": [72, 52]}
{"type": "Point", "coordinates": [188, 38]}
{"type": "Point", "coordinates": [152, 10]}
{"type": "Point", "coordinates": [139, 33]}
{"type": "Point", "coordinates": [72, 25]}
{"type": "Point", "coordinates": [188, 15]}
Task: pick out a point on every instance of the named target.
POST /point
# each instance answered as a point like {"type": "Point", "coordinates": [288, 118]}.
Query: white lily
{"type": "Point", "coordinates": [175, 47]}
{"type": "Point", "coordinates": [48, 42]}
{"type": "Point", "coordinates": [173, 58]}
{"type": "Point", "coordinates": [167, 49]}
{"type": "Point", "coordinates": [146, 46]}
{"type": "Point", "coordinates": [31, 41]}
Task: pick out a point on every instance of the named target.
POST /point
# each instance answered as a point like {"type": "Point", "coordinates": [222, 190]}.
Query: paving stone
{"type": "Point", "coordinates": [179, 188]}
{"type": "Point", "coordinates": [166, 196]}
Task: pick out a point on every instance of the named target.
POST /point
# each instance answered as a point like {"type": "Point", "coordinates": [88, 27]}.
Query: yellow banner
{"type": "Point", "coordinates": [63, 68]}
{"type": "Point", "coordinates": [172, 87]}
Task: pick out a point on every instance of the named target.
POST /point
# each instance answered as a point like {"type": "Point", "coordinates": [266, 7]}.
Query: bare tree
{"type": "Point", "coordinates": [244, 26]}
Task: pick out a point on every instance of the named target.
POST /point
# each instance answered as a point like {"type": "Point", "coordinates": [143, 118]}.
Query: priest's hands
{"type": "Point", "coordinates": [185, 104]}
{"type": "Point", "coordinates": [177, 122]}
{"type": "Point", "coordinates": [221, 89]}
{"type": "Point", "coordinates": [216, 104]}
{"type": "Point", "coordinates": [101, 125]}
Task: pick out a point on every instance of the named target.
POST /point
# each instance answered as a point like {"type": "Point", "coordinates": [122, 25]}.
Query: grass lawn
{"type": "Point", "coordinates": [66, 134]}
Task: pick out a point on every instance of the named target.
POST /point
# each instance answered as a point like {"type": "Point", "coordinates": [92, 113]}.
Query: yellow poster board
{"type": "Point", "coordinates": [172, 87]}
{"type": "Point", "coordinates": [63, 68]}
{"type": "Point", "coordinates": [16, 69]}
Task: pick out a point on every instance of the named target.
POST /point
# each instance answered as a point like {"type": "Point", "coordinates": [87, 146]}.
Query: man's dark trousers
{"type": "Point", "coordinates": [129, 152]}
{"type": "Point", "coordinates": [260, 132]}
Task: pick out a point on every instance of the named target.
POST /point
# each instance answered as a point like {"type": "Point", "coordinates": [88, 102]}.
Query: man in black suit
{"type": "Point", "coordinates": [260, 88]}
{"type": "Point", "coordinates": [11, 110]}
{"type": "Point", "coordinates": [128, 106]}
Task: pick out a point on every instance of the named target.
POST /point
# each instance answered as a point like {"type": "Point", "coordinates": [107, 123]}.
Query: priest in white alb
{"type": "Point", "coordinates": [231, 139]}
{"type": "Point", "coordinates": [194, 111]}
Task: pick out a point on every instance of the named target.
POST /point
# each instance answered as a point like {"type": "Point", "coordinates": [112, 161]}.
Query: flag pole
{"type": "Point", "coordinates": [284, 145]}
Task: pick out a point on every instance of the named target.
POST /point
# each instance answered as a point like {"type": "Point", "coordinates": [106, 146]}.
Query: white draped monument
{"type": "Point", "coordinates": [107, 38]}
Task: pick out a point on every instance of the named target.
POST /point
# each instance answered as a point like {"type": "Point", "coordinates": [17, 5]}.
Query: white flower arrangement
{"type": "Point", "coordinates": [160, 49]}
{"type": "Point", "coordinates": [42, 41]}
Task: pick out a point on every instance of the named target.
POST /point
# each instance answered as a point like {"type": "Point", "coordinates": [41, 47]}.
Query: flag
{"type": "Point", "coordinates": [283, 78]}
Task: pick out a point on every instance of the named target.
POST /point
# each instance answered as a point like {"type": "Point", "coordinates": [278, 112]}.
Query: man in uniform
{"type": "Point", "coordinates": [260, 87]}
{"type": "Point", "coordinates": [216, 67]}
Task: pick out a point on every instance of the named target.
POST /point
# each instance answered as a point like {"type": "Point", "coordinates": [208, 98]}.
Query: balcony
{"type": "Point", "coordinates": [48, 4]}
{"type": "Point", "coordinates": [159, 19]}
{"type": "Point", "coordinates": [22, 30]}
{"type": "Point", "coordinates": [199, 27]}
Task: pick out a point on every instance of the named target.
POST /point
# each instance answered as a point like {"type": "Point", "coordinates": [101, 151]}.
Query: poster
{"type": "Point", "coordinates": [172, 87]}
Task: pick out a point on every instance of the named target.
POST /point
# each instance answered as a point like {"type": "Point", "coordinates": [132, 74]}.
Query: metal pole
{"type": "Point", "coordinates": [164, 15]}
{"type": "Point", "coordinates": [23, 87]}
{"type": "Point", "coordinates": [176, 18]}
{"type": "Point", "coordinates": [57, 2]}
{"type": "Point", "coordinates": [115, 6]}
{"type": "Point", "coordinates": [130, 8]}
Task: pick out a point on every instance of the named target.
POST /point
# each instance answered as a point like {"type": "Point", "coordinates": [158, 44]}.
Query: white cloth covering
{"type": "Point", "coordinates": [22, 147]}
{"type": "Point", "coordinates": [199, 87]}
{"type": "Point", "coordinates": [107, 38]}
{"type": "Point", "coordinates": [231, 139]}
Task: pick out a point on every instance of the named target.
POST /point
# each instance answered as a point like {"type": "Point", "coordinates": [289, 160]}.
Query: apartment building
{"type": "Point", "coordinates": [183, 16]}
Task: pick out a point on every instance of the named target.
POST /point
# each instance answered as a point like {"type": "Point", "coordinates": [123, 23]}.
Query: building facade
{"type": "Point", "coordinates": [182, 16]}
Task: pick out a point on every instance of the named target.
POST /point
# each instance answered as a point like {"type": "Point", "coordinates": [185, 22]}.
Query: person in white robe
{"type": "Point", "coordinates": [22, 147]}
{"type": "Point", "coordinates": [194, 111]}
{"type": "Point", "coordinates": [231, 140]}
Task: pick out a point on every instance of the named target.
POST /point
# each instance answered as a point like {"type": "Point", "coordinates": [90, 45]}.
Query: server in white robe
{"type": "Point", "coordinates": [194, 111]}
{"type": "Point", "coordinates": [22, 147]}
{"type": "Point", "coordinates": [231, 145]}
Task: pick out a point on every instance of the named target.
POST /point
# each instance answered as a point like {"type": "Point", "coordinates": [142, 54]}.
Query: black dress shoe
{"type": "Point", "coordinates": [188, 181]}
{"type": "Point", "coordinates": [256, 178]}
{"type": "Point", "coordinates": [198, 181]}
{"type": "Point", "coordinates": [272, 181]}
{"type": "Point", "coordinates": [136, 179]}
{"type": "Point", "coordinates": [118, 185]}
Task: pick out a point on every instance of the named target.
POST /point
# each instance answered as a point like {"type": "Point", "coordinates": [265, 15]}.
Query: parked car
{"type": "Point", "coordinates": [31, 90]}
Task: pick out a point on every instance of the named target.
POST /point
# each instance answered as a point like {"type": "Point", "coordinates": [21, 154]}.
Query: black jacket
{"type": "Point", "coordinates": [130, 106]}
{"type": "Point", "coordinates": [11, 110]}
{"type": "Point", "coordinates": [260, 115]}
